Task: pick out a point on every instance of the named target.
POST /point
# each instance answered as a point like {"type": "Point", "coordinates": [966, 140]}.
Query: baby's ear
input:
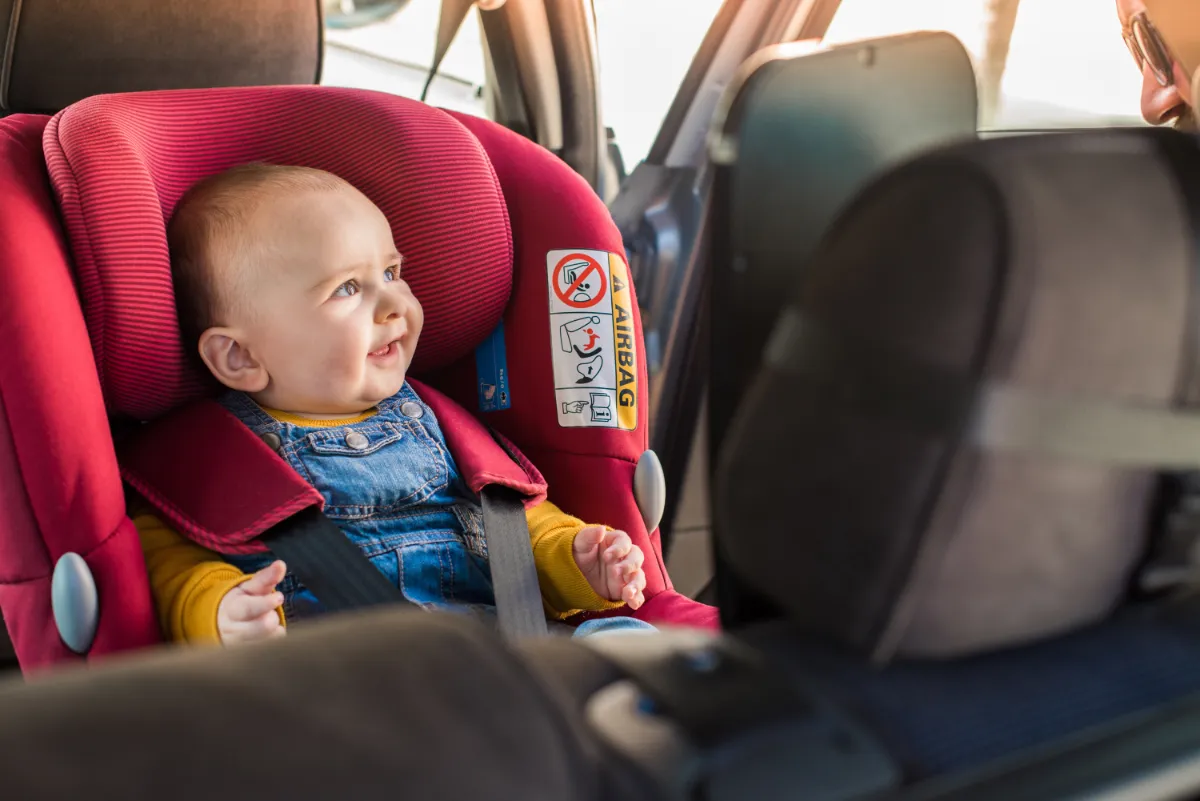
{"type": "Point", "coordinates": [231, 362]}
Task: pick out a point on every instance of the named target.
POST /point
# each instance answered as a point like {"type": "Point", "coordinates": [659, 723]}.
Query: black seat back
{"type": "Point", "coordinates": [797, 135]}
{"type": "Point", "coordinates": [954, 440]}
{"type": "Point", "coordinates": [948, 471]}
{"type": "Point", "coordinates": [59, 51]}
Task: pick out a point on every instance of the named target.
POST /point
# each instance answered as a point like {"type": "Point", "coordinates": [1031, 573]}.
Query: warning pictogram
{"type": "Point", "coordinates": [594, 351]}
{"type": "Point", "coordinates": [579, 281]}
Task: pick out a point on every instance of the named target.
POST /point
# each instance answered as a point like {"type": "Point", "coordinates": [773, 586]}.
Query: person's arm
{"type": "Point", "coordinates": [188, 581]}
{"type": "Point", "coordinates": [565, 590]}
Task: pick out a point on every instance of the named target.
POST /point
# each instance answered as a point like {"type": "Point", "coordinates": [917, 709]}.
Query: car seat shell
{"type": "Point", "coordinates": [451, 185]}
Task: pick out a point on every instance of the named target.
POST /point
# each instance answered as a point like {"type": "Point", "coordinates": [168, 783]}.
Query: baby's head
{"type": "Point", "coordinates": [288, 286]}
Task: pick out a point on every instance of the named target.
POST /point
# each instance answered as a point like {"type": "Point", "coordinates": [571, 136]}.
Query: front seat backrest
{"type": "Point", "coordinates": [59, 51]}
{"type": "Point", "coordinates": [942, 452]}
{"type": "Point", "coordinates": [798, 134]}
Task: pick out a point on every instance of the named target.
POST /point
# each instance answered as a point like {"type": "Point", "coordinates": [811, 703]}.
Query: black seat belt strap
{"type": "Point", "coordinates": [514, 574]}
{"type": "Point", "coordinates": [342, 578]}
{"type": "Point", "coordinates": [328, 563]}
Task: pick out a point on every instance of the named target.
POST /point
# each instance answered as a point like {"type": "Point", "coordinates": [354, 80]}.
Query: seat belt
{"type": "Point", "coordinates": [514, 575]}
{"type": "Point", "coordinates": [326, 562]}
{"type": "Point", "coordinates": [450, 19]}
{"type": "Point", "coordinates": [338, 573]}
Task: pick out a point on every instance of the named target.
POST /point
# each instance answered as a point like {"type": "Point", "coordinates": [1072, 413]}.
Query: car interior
{"type": "Point", "coordinates": [902, 410]}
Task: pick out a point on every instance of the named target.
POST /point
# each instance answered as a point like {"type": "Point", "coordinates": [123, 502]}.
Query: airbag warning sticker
{"type": "Point", "coordinates": [592, 339]}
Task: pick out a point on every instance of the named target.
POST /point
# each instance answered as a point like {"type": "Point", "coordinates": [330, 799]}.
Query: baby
{"type": "Point", "coordinates": [292, 293]}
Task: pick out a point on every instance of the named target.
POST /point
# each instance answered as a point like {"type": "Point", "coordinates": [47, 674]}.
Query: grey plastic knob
{"type": "Point", "coordinates": [650, 489]}
{"type": "Point", "coordinates": [75, 602]}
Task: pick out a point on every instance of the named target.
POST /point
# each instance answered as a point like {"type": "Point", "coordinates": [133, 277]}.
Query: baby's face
{"type": "Point", "coordinates": [331, 319]}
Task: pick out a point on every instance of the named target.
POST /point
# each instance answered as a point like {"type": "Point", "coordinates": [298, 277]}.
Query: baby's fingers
{"type": "Point", "coordinates": [264, 581]}
{"type": "Point", "coordinates": [588, 538]}
{"type": "Point", "coordinates": [265, 627]}
{"type": "Point", "coordinates": [619, 546]}
{"type": "Point", "coordinates": [631, 560]}
{"type": "Point", "coordinates": [247, 608]}
{"type": "Point", "coordinates": [632, 594]}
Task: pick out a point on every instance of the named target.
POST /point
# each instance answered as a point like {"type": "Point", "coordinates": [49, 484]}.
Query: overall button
{"type": "Point", "coordinates": [357, 440]}
{"type": "Point", "coordinates": [273, 441]}
{"type": "Point", "coordinates": [412, 409]}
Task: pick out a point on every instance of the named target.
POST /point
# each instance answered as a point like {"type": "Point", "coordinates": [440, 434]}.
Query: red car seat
{"type": "Point", "coordinates": [57, 52]}
{"type": "Point", "coordinates": [487, 219]}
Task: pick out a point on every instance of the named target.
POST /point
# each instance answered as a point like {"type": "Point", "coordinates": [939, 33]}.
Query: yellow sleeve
{"type": "Point", "coordinates": [187, 580]}
{"type": "Point", "coordinates": [565, 590]}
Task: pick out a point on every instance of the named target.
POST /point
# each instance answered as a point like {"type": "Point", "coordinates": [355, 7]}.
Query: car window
{"type": "Point", "coordinates": [645, 48]}
{"type": "Point", "coordinates": [1066, 65]}
{"type": "Point", "coordinates": [387, 45]}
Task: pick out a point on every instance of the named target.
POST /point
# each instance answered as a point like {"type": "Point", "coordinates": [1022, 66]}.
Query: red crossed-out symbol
{"type": "Point", "coordinates": [585, 276]}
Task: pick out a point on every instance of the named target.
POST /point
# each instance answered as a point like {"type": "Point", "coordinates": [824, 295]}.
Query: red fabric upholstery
{"type": "Point", "coordinates": [481, 459]}
{"type": "Point", "coordinates": [231, 487]}
{"type": "Point", "coordinates": [119, 164]}
{"type": "Point", "coordinates": [589, 470]}
{"type": "Point", "coordinates": [212, 478]}
{"type": "Point", "coordinates": [61, 491]}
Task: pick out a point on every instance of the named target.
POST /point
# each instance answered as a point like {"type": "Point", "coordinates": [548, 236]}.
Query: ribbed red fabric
{"type": "Point", "coordinates": [119, 164]}
{"type": "Point", "coordinates": [59, 487]}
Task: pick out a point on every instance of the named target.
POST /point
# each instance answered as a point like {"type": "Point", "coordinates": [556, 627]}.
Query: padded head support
{"type": "Point", "coordinates": [855, 490]}
{"type": "Point", "coordinates": [59, 51]}
{"type": "Point", "coordinates": [120, 163]}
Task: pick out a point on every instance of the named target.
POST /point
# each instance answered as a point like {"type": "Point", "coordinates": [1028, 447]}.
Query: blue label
{"type": "Point", "coordinates": [491, 366]}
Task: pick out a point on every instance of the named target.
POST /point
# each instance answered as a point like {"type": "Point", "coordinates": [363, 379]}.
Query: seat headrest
{"type": "Point", "coordinates": [59, 51]}
{"type": "Point", "coordinates": [897, 477]}
{"type": "Point", "coordinates": [119, 164]}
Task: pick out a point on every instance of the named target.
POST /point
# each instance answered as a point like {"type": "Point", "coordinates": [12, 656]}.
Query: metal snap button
{"type": "Point", "coordinates": [357, 440]}
{"type": "Point", "coordinates": [273, 441]}
{"type": "Point", "coordinates": [412, 409]}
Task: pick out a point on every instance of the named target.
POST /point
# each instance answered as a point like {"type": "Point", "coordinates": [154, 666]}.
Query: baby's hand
{"type": "Point", "coordinates": [247, 612]}
{"type": "Point", "coordinates": [612, 564]}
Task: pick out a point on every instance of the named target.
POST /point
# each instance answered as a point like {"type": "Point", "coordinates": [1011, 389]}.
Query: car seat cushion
{"type": "Point", "coordinates": [60, 489]}
{"type": "Point", "coordinates": [119, 164]}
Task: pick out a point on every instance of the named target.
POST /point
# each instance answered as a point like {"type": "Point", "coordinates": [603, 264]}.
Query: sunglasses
{"type": "Point", "coordinates": [1148, 48]}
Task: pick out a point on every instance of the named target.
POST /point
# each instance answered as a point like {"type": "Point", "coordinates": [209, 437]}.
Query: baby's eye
{"type": "Point", "coordinates": [346, 290]}
{"type": "Point", "coordinates": [392, 273]}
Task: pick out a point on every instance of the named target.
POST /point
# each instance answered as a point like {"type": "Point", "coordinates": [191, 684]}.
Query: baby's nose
{"type": "Point", "coordinates": [390, 308]}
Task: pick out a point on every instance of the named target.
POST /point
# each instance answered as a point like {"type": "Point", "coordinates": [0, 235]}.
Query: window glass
{"type": "Point", "coordinates": [1066, 66]}
{"type": "Point", "coordinates": [645, 49]}
{"type": "Point", "coordinates": [387, 45]}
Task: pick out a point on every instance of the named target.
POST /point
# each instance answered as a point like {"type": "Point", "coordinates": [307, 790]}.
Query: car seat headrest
{"type": "Point", "coordinates": [897, 478]}
{"type": "Point", "coordinates": [59, 51]}
{"type": "Point", "coordinates": [119, 164]}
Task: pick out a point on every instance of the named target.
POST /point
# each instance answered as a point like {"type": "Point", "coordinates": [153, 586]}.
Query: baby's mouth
{"type": "Point", "coordinates": [386, 350]}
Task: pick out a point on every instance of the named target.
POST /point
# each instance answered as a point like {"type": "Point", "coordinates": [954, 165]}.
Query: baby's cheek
{"type": "Point", "coordinates": [344, 366]}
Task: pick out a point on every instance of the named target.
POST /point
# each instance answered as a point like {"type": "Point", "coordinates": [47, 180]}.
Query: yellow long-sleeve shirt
{"type": "Point", "coordinates": [188, 580]}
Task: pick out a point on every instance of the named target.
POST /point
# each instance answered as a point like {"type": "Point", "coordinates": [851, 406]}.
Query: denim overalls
{"type": "Point", "coordinates": [391, 486]}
